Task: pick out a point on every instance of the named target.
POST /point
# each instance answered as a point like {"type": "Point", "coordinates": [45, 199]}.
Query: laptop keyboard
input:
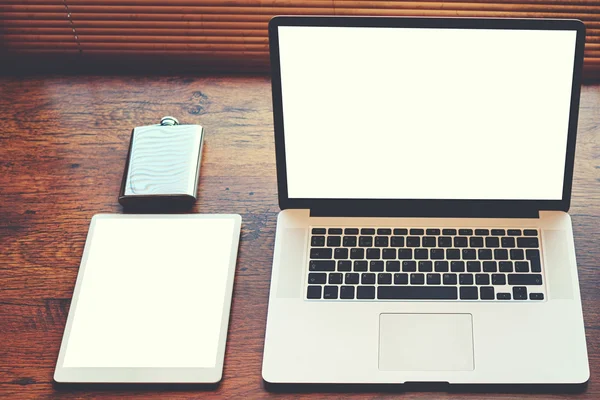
{"type": "Point", "coordinates": [424, 264]}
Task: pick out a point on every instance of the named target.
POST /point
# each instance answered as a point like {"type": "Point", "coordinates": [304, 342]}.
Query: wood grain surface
{"type": "Point", "coordinates": [63, 143]}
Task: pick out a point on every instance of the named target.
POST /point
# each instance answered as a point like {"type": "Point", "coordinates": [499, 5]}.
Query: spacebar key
{"type": "Point", "coordinates": [417, 293]}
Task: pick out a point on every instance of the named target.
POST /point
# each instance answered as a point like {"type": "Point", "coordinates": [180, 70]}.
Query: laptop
{"type": "Point", "coordinates": [424, 172]}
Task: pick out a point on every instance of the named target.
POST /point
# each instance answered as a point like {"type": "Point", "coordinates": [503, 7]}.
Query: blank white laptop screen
{"type": "Point", "coordinates": [405, 113]}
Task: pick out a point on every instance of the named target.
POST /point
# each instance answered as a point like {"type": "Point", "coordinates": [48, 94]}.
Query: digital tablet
{"type": "Point", "coordinates": [151, 301]}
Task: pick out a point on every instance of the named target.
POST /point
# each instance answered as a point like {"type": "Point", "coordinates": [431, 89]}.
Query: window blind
{"type": "Point", "coordinates": [229, 32]}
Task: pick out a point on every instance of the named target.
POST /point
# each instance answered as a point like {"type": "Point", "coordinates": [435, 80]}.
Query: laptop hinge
{"type": "Point", "coordinates": [411, 213]}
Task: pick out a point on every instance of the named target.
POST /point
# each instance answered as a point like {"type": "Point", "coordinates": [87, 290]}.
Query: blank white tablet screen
{"type": "Point", "coordinates": [405, 113]}
{"type": "Point", "coordinates": [152, 294]}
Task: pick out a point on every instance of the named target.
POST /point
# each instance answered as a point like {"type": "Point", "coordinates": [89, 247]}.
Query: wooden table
{"type": "Point", "coordinates": [63, 143]}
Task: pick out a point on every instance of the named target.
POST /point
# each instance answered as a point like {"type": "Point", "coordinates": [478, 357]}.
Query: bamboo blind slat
{"type": "Point", "coordinates": [225, 31]}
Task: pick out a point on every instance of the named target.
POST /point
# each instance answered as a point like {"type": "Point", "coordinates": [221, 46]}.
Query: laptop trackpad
{"type": "Point", "coordinates": [426, 342]}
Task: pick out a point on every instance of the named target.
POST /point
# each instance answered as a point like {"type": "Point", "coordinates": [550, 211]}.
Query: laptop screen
{"type": "Point", "coordinates": [423, 113]}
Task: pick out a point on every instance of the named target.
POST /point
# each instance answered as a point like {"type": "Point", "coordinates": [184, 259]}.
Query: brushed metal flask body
{"type": "Point", "coordinates": [163, 166]}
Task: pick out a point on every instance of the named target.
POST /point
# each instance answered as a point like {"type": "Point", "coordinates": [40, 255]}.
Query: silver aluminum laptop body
{"type": "Point", "coordinates": [395, 259]}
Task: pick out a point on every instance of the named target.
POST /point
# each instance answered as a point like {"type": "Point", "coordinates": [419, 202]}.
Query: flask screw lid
{"type": "Point", "coordinates": [169, 121]}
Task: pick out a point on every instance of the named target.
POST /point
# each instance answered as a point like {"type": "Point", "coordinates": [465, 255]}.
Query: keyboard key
{"type": "Point", "coordinates": [469, 254]}
{"type": "Point", "coordinates": [313, 292]}
{"type": "Point", "coordinates": [484, 254]}
{"type": "Point", "coordinates": [347, 292]}
{"type": "Point", "coordinates": [384, 279]}
{"type": "Point", "coordinates": [344, 265]}
{"type": "Point", "coordinates": [400, 231]}
{"type": "Point", "coordinates": [417, 279]}
{"type": "Point", "coordinates": [317, 241]}
{"type": "Point", "coordinates": [335, 278]}
{"type": "Point", "coordinates": [453, 254]}
{"type": "Point", "coordinates": [335, 231]}
{"type": "Point", "coordinates": [351, 231]}
{"type": "Point", "coordinates": [373, 254]}
{"type": "Point", "coordinates": [441, 266]}
{"type": "Point", "coordinates": [416, 231]}
{"type": "Point", "coordinates": [318, 231]}
{"type": "Point", "coordinates": [421, 254]}
{"type": "Point", "coordinates": [492, 242]}
{"type": "Point", "coordinates": [508, 241]}
{"type": "Point", "coordinates": [503, 296]}
{"type": "Point", "coordinates": [482, 279]}
{"type": "Point", "coordinates": [498, 232]}
{"type": "Point", "coordinates": [436, 254]}
{"type": "Point", "coordinates": [351, 278]}
{"type": "Point", "coordinates": [388, 254]}
{"type": "Point", "coordinates": [514, 232]}
{"type": "Point", "coordinates": [450, 279]}
{"type": "Point", "coordinates": [505, 266]}
{"type": "Point", "coordinates": [366, 292]}
{"type": "Point", "coordinates": [317, 278]}
{"type": "Point", "coordinates": [367, 231]}
{"type": "Point", "coordinates": [501, 254]}
{"type": "Point", "coordinates": [400, 279]}
{"type": "Point", "coordinates": [382, 241]}
{"type": "Point", "coordinates": [465, 279]}
{"type": "Point", "coordinates": [524, 279]}
{"type": "Point", "coordinates": [528, 242]}
{"type": "Point", "coordinates": [517, 254]}
{"type": "Point", "coordinates": [397, 241]}
{"type": "Point", "coordinates": [498, 279]}
{"type": "Point", "coordinates": [376, 266]}
{"type": "Point", "coordinates": [360, 266]}
{"type": "Point", "coordinates": [445, 241]}
{"type": "Point", "coordinates": [460, 241]}
{"type": "Point", "coordinates": [409, 266]}
{"type": "Point", "coordinates": [449, 231]}
{"type": "Point", "coordinates": [328, 265]}
{"type": "Point", "coordinates": [392, 266]}
{"type": "Point", "coordinates": [365, 241]}
{"type": "Point", "coordinates": [330, 292]}
{"type": "Point", "coordinates": [486, 293]}
{"type": "Point", "coordinates": [429, 241]}
{"type": "Point", "coordinates": [530, 232]}
{"type": "Point", "coordinates": [320, 253]}
{"type": "Point", "coordinates": [465, 231]}
{"type": "Point", "coordinates": [535, 265]}
{"type": "Point", "coordinates": [357, 253]}
{"type": "Point", "coordinates": [384, 231]}
{"type": "Point", "coordinates": [521, 266]}
{"type": "Point", "coordinates": [405, 254]}
{"type": "Point", "coordinates": [457, 266]}
{"type": "Point", "coordinates": [490, 266]}
{"type": "Point", "coordinates": [468, 293]}
{"type": "Point", "coordinates": [432, 231]}
{"type": "Point", "coordinates": [417, 292]}
{"type": "Point", "coordinates": [482, 232]}
{"type": "Point", "coordinates": [476, 241]}
{"type": "Point", "coordinates": [473, 266]}
{"type": "Point", "coordinates": [434, 279]}
{"type": "Point", "coordinates": [520, 293]}
{"type": "Point", "coordinates": [349, 241]}
{"type": "Point", "coordinates": [413, 241]}
{"type": "Point", "coordinates": [530, 254]}
{"type": "Point", "coordinates": [425, 266]}
{"type": "Point", "coordinates": [367, 278]}
{"type": "Point", "coordinates": [536, 296]}
{"type": "Point", "coordinates": [340, 254]}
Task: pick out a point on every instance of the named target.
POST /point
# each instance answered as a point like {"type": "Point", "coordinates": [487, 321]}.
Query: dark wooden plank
{"type": "Point", "coordinates": [63, 143]}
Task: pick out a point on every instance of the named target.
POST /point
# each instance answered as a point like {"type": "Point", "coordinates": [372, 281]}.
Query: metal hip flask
{"type": "Point", "coordinates": [163, 166]}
